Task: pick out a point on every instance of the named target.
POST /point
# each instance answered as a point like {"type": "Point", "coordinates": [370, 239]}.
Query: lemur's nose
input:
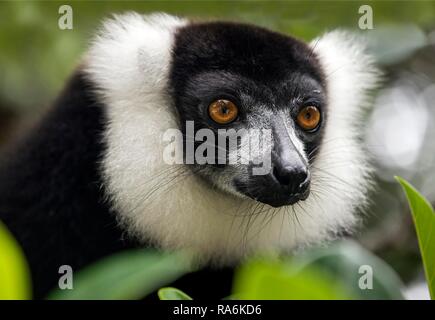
{"type": "Point", "coordinates": [291, 176]}
{"type": "Point", "coordinates": [295, 178]}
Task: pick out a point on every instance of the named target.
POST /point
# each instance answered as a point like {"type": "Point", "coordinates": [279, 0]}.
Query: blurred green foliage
{"type": "Point", "coordinates": [348, 262]}
{"type": "Point", "coordinates": [337, 272]}
{"type": "Point", "coordinates": [127, 275]}
{"type": "Point", "coordinates": [277, 280]}
{"type": "Point", "coordinates": [324, 273]}
{"type": "Point", "coordinates": [15, 281]}
{"type": "Point", "coordinates": [172, 294]}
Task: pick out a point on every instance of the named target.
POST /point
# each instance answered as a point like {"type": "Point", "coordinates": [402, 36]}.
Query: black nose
{"type": "Point", "coordinates": [295, 179]}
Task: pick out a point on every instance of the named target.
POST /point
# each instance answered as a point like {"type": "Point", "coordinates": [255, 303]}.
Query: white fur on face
{"type": "Point", "coordinates": [169, 205]}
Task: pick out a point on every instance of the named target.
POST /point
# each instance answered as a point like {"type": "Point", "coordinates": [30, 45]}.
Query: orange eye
{"type": "Point", "coordinates": [223, 111]}
{"type": "Point", "coordinates": [309, 118]}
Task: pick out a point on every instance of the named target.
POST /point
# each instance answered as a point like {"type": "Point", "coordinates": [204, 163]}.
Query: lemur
{"type": "Point", "coordinates": [90, 180]}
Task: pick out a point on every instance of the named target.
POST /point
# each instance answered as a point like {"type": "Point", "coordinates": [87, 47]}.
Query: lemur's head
{"type": "Point", "coordinates": [267, 128]}
{"type": "Point", "coordinates": [233, 78]}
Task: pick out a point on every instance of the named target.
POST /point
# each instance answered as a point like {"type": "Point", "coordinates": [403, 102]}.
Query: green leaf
{"type": "Point", "coordinates": [424, 221]}
{"type": "Point", "coordinates": [276, 280]}
{"type": "Point", "coordinates": [350, 262]}
{"type": "Point", "coordinates": [127, 275]}
{"type": "Point", "coordinates": [326, 273]}
{"type": "Point", "coordinates": [15, 283]}
{"type": "Point", "coordinates": [172, 294]}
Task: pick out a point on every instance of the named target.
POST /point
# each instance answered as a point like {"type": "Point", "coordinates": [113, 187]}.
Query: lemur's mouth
{"type": "Point", "coordinates": [280, 201]}
{"type": "Point", "coordinates": [267, 189]}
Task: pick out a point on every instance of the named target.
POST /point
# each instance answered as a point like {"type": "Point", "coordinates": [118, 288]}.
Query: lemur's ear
{"type": "Point", "coordinates": [131, 54]}
{"type": "Point", "coordinates": [349, 70]}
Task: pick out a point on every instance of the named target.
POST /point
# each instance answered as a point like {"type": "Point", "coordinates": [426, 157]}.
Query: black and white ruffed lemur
{"type": "Point", "coordinates": [89, 180]}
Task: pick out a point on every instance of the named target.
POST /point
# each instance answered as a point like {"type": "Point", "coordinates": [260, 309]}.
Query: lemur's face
{"type": "Point", "coordinates": [230, 79]}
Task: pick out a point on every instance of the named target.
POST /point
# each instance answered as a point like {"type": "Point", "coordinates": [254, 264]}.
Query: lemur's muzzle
{"type": "Point", "coordinates": [289, 178]}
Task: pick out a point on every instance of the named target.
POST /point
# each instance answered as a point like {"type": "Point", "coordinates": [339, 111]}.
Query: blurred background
{"type": "Point", "coordinates": [36, 58]}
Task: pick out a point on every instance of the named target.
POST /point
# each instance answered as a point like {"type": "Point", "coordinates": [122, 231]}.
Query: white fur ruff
{"type": "Point", "coordinates": [129, 62]}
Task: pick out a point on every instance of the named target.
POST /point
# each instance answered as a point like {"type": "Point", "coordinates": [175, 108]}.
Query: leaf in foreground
{"type": "Point", "coordinates": [424, 221]}
{"type": "Point", "coordinates": [349, 262]}
{"type": "Point", "coordinates": [127, 275]}
{"type": "Point", "coordinates": [275, 280]}
{"type": "Point", "coordinates": [325, 273]}
{"type": "Point", "coordinates": [172, 294]}
{"type": "Point", "coordinates": [15, 280]}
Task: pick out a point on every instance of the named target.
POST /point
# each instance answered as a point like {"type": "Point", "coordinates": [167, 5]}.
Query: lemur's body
{"type": "Point", "coordinates": [76, 189]}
